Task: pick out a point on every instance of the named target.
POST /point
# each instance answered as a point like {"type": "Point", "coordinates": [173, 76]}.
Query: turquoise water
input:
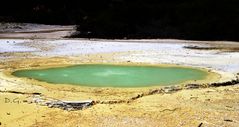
{"type": "Point", "coordinates": [99, 75]}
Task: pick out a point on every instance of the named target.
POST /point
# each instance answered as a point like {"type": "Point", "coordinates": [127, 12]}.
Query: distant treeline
{"type": "Point", "coordinates": [181, 19]}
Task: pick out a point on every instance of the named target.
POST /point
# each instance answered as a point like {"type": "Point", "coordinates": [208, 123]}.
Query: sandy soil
{"type": "Point", "coordinates": [152, 106]}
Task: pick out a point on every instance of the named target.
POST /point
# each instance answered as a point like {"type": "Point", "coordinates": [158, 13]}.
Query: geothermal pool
{"type": "Point", "coordinates": [100, 75]}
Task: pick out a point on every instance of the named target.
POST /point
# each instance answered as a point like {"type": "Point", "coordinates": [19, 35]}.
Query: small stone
{"type": "Point", "coordinates": [200, 125]}
{"type": "Point", "coordinates": [50, 106]}
{"type": "Point", "coordinates": [155, 91]}
{"type": "Point", "coordinates": [171, 89]}
{"type": "Point", "coordinates": [192, 86]}
{"type": "Point", "coordinates": [25, 101]}
{"type": "Point", "coordinates": [228, 120]}
{"type": "Point", "coordinates": [208, 99]}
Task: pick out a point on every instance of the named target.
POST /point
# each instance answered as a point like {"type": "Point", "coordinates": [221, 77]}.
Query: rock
{"type": "Point", "coordinates": [192, 86]}
{"type": "Point", "coordinates": [138, 96]}
{"type": "Point", "coordinates": [232, 82]}
{"type": "Point", "coordinates": [25, 101]}
{"type": "Point", "coordinates": [156, 91]}
{"type": "Point", "coordinates": [171, 89]}
{"type": "Point", "coordinates": [70, 105]}
{"type": "Point", "coordinates": [200, 125]}
{"type": "Point", "coordinates": [228, 120]}
{"type": "Point", "coordinates": [38, 100]}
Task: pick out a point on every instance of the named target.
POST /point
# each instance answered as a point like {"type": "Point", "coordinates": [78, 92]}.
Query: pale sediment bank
{"type": "Point", "coordinates": [154, 106]}
{"type": "Point", "coordinates": [33, 31]}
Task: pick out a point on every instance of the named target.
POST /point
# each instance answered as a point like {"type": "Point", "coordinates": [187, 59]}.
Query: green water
{"type": "Point", "coordinates": [99, 75]}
